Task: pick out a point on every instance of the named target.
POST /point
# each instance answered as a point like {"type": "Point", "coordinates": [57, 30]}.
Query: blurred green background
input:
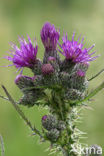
{"type": "Point", "coordinates": [22, 17]}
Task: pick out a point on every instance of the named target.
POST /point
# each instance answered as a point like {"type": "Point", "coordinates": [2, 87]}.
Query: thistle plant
{"type": "Point", "coordinates": [60, 85]}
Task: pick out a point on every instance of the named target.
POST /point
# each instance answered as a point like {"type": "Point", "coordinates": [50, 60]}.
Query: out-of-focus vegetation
{"type": "Point", "coordinates": [27, 17]}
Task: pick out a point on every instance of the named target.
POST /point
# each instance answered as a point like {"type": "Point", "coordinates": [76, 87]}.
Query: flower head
{"type": "Point", "coordinates": [49, 36]}
{"type": "Point", "coordinates": [25, 56]}
{"type": "Point", "coordinates": [74, 51]}
{"type": "Point", "coordinates": [23, 82]}
{"type": "Point", "coordinates": [49, 122]}
{"type": "Point", "coordinates": [19, 78]}
{"type": "Point", "coordinates": [47, 69]}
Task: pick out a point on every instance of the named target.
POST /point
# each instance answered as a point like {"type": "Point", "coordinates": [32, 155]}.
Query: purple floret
{"type": "Point", "coordinates": [44, 117]}
{"type": "Point", "coordinates": [80, 73]}
{"type": "Point", "coordinates": [49, 36]}
{"type": "Point", "coordinates": [25, 56]}
{"type": "Point", "coordinates": [74, 51]}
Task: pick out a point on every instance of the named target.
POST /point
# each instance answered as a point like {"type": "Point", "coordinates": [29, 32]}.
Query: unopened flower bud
{"type": "Point", "coordinates": [61, 125]}
{"type": "Point", "coordinates": [29, 99]}
{"type": "Point", "coordinates": [78, 80]}
{"type": "Point", "coordinates": [24, 81]}
{"type": "Point", "coordinates": [47, 69]}
{"type": "Point", "coordinates": [49, 122]}
{"type": "Point", "coordinates": [74, 94]}
{"type": "Point", "coordinates": [53, 135]}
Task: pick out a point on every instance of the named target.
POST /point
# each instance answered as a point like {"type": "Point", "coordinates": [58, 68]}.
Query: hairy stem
{"type": "Point", "coordinates": [68, 117]}
{"type": "Point", "coordinates": [4, 98]}
{"type": "Point", "coordinates": [20, 112]}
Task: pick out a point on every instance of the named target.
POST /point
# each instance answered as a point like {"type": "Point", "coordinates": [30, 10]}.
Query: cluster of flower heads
{"type": "Point", "coordinates": [25, 55]}
{"type": "Point", "coordinates": [53, 127]}
{"type": "Point", "coordinates": [56, 83]}
{"type": "Point", "coordinates": [69, 73]}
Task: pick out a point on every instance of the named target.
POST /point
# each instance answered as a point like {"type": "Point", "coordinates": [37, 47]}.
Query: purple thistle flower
{"type": "Point", "coordinates": [74, 51]}
{"type": "Point", "coordinates": [49, 36]}
{"type": "Point", "coordinates": [25, 56]}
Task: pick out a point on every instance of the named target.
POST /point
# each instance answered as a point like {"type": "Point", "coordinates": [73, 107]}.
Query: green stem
{"type": "Point", "coordinates": [4, 98]}
{"type": "Point", "coordinates": [70, 125]}
{"type": "Point", "coordinates": [33, 128]}
{"type": "Point", "coordinates": [96, 75]}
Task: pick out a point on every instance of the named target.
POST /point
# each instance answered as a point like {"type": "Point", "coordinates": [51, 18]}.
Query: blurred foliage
{"type": "Point", "coordinates": [27, 17]}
